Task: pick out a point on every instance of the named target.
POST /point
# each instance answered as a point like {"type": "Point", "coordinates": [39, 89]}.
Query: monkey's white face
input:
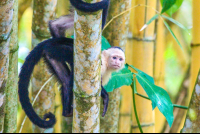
{"type": "Point", "coordinates": [116, 59]}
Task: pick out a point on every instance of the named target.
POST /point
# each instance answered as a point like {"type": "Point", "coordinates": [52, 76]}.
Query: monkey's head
{"type": "Point", "coordinates": [115, 58]}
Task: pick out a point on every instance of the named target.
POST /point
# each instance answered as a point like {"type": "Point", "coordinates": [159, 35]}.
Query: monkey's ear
{"type": "Point", "coordinates": [104, 53]}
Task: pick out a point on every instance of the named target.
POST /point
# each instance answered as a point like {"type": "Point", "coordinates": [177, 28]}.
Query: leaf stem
{"type": "Point", "coordinates": [142, 96]}
{"type": "Point", "coordinates": [179, 106]}
{"type": "Point", "coordinates": [134, 106]}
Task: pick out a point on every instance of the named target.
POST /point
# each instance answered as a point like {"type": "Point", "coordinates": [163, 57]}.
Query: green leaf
{"type": "Point", "coordinates": [149, 78]}
{"type": "Point", "coordinates": [175, 22]}
{"type": "Point", "coordinates": [167, 4]}
{"type": "Point", "coordinates": [152, 19]}
{"type": "Point", "coordinates": [170, 30]}
{"type": "Point", "coordinates": [105, 43]}
{"type": "Point", "coordinates": [158, 96]}
{"type": "Point", "coordinates": [174, 7]}
{"type": "Point", "coordinates": [119, 79]}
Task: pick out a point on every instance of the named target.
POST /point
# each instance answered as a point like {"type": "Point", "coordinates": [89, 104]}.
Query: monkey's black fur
{"type": "Point", "coordinates": [56, 52]}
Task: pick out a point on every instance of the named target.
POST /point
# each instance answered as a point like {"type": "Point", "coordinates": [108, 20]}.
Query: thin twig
{"type": "Point", "coordinates": [127, 11]}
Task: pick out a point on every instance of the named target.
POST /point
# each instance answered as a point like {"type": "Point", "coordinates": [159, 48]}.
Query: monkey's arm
{"type": "Point", "coordinates": [58, 26]}
{"type": "Point", "coordinates": [105, 98]}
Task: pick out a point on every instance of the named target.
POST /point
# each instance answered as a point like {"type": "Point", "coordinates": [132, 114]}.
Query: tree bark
{"type": "Point", "coordinates": [87, 76]}
{"type": "Point", "coordinates": [116, 34]}
{"type": "Point", "coordinates": [6, 15]}
{"type": "Point", "coordinates": [43, 11]}
{"type": "Point", "coordinates": [10, 122]}
{"type": "Point", "coordinates": [192, 121]}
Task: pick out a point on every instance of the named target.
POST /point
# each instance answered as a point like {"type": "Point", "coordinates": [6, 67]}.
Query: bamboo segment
{"type": "Point", "coordinates": [116, 33]}
{"type": "Point", "coordinates": [195, 65]}
{"type": "Point", "coordinates": [195, 46]}
{"type": "Point", "coordinates": [143, 52]}
{"type": "Point", "coordinates": [159, 71]}
{"type": "Point", "coordinates": [43, 11]}
{"type": "Point", "coordinates": [125, 109]}
{"type": "Point", "coordinates": [192, 120]}
{"type": "Point", "coordinates": [10, 125]}
{"type": "Point", "coordinates": [87, 75]}
{"type": "Point", "coordinates": [58, 110]}
{"type": "Point", "coordinates": [6, 15]}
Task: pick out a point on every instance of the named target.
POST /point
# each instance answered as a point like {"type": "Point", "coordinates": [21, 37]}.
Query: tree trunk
{"type": "Point", "coordinates": [87, 76]}
{"type": "Point", "coordinates": [10, 122]}
{"type": "Point", "coordinates": [116, 34]}
{"type": "Point", "coordinates": [143, 53]}
{"type": "Point", "coordinates": [6, 15]}
{"type": "Point", "coordinates": [192, 121]}
{"type": "Point", "coordinates": [43, 11]}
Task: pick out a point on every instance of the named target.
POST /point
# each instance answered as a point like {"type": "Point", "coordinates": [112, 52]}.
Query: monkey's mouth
{"type": "Point", "coordinates": [116, 66]}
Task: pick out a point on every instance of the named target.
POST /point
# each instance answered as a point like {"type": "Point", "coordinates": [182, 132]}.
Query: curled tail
{"type": "Point", "coordinates": [24, 78]}
{"type": "Point", "coordinates": [93, 7]}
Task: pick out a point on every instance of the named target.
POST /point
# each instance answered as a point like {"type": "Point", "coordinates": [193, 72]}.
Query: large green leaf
{"type": "Point", "coordinates": [167, 4]}
{"type": "Point", "coordinates": [174, 7]}
{"type": "Point", "coordinates": [119, 79]}
{"type": "Point", "coordinates": [105, 43]}
{"type": "Point", "coordinates": [158, 96]}
{"type": "Point", "coordinates": [149, 78]}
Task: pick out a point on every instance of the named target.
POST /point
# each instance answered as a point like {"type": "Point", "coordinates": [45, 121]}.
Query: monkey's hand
{"type": "Point", "coordinates": [105, 98]}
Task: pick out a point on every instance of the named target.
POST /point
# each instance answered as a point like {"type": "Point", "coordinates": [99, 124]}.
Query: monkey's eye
{"type": "Point", "coordinates": [114, 57]}
{"type": "Point", "coordinates": [121, 59]}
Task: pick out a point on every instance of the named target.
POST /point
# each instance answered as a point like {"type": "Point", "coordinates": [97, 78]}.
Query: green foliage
{"type": "Point", "coordinates": [170, 30]}
{"type": "Point", "coordinates": [170, 6]}
{"type": "Point", "coordinates": [119, 79]}
{"type": "Point", "coordinates": [157, 95]}
{"type": "Point", "coordinates": [167, 4]}
{"type": "Point", "coordinates": [105, 43]}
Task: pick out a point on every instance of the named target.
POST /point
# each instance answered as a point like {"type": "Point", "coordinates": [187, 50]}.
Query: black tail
{"type": "Point", "coordinates": [24, 78]}
{"type": "Point", "coordinates": [92, 7]}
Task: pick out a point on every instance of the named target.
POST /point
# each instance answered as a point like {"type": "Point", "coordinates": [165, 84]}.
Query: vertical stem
{"type": "Point", "coordinates": [10, 124]}
{"type": "Point", "coordinates": [87, 75]}
{"type": "Point", "coordinates": [43, 11]}
{"type": "Point", "coordinates": [6, 15]}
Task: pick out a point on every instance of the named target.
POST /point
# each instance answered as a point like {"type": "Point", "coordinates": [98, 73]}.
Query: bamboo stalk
{"type": "Point", "coordinates": [87, 76]}
{"type": "Point", "coordinates": [43, 11]}
{"type": "Point", "coordinates": [142, 58]}
{"type": "Point", "coordinates": [10, 120]}
{"type": "Point", "coordinates": [116, 34]}
{"type": "Point", "coordinates": [6, 14]}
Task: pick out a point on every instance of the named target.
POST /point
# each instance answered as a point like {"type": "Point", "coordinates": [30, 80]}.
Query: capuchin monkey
{"type": "Point", "coordinates": [112, 60]}
{"type": "Point", "coordinates": [56, 52]}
